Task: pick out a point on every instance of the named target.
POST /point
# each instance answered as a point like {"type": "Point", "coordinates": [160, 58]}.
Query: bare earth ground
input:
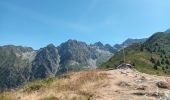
{"type": "Point", "coordinates": [132, 85]}
{"type": "Point", "coordinates": [119, 84]}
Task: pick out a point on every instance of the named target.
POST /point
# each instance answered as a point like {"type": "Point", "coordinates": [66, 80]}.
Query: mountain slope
{"type": "Point", "coordinates": [77, 55]}
{"type": "Point", "coordinates": [151, 57]}
{"type": "Point", "coordinates": [46, 62]}
{"type": "Point", "coordinates": [159, 42]}
{"type": "Point", "coordinates": [14, 68]}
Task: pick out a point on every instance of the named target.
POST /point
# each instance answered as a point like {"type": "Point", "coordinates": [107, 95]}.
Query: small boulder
{"type": "Point", "coordinates": [162, 84]}
{"type": "Point", "coordinates": [123, 84]}
{"type": "Point", "coordinates": [140, 93]}
{"type": "Point", "coordinates": [141, 87]}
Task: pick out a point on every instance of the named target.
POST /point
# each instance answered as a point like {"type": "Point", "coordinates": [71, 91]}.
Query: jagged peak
{"type": "Point", "coordinates": [98, 44]}
{"type": "Point", "coordinates": [72, 40]}
{"type": "Point", "coordinates": [51, 45]}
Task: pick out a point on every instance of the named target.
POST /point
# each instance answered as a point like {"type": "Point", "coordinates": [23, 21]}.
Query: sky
{"type": "Point", "coordinates": [37, 23]}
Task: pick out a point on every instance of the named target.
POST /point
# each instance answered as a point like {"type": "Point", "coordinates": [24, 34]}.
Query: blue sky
{"type": "Point", "coordinates": [37, 23]}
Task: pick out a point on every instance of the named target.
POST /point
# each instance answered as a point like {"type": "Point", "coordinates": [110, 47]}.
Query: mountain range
{"type": "Point", "coordinates": [19, 65]}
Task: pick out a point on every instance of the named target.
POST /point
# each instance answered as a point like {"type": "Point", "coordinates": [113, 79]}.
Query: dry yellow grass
{"type": "Point", "coordinates": [73, 86]}
{"type": "Point", "coordinates": [117, 84]}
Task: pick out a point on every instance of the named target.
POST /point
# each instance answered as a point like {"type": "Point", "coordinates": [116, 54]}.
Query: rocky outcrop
{"type": "Point", "coordinates": [46, 62]}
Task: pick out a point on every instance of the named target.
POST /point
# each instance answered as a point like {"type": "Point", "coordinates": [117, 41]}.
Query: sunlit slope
{"type": "Point", "coordinates": [151, 57]}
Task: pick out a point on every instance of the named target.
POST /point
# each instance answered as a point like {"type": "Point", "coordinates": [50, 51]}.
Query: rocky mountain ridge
{"type": "Point", "coordinates": [20, 65]}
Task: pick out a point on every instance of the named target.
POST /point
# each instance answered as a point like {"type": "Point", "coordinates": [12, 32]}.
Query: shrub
{"type": "Point", "coordinates": [33, 87]}
{"type": "Point", "coordinates": [50, 98]}
{"type": "Point", "coordinates": [48, 80]}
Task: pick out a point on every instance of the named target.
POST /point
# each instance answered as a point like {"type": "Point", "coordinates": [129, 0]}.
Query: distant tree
{"type": "Point", "coordinates": [165, 71]}
{"type": "Point", "coordinates": [167, 62]}
{"type": "Point", "coordinates": [158, 63]}
{"type": "Point", "coordinates": [159, 49]}
{"type": "Point", "coordinates": [155, 67]}
{"type": "Point", "coordinates": [163, 68]}
{"type": "Point", "coordinates": [107, 66]}
{"type": "Point", "coordinates": [142, 48]}
{"type": "Point", "coordinates": [149, 50]}
{"type": "Point", "coordinates": [155, 49]}
{"type": "Point", "coordinates": [163, 52]}
{"type": "Point", "coordinates": [161, 56]}
{"type": "Point", "coordinates": [163, 61]}
{"type": "Point", "coordinates": [167, 67]}
{"type": "Point", "coordinates": [156, 44]}
{"type": "Point", "coordinates": [152, 60]}
{"type": "Point", "coordinates": [121, 62]}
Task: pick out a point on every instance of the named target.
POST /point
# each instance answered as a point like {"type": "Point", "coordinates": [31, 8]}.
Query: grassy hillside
{"type": "Point", "coordinates": [152, 57]}
{"type": "Point", "coordinates": [73, 86]}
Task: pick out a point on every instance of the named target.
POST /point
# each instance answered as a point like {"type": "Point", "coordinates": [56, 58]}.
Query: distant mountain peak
{"type": "Point", "coordinates": [50, 45]}
{"type": "Point", "coordinates": [98, 44]}
{"type": "Point", "coordinates": [129, 42]}
{"type": "Point", "coordinates": [108, 45]}
{"type": "Point", "coordinates": [167, 31]}
{"type": "Point", "coordinates": [72, 40]}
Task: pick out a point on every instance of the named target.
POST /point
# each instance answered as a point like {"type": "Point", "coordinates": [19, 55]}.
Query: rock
{"type": "Point", "coordinates": [143, 78]}
{"type": "Point", "coordinates": [140, 93]}
{"type": "Point", "coordinates": [124, 84]}
{"type": "Point", "coordinates": [162, 84]}
{"type": "Point", "coordinates": [118, 91]}
{"type": "Point", "coordinates": [141, 87]}
{"type": "Point", "coordinates": [154, 94]}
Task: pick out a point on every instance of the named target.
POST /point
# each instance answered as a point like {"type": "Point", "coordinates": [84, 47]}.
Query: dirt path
{"type": "Point", "coordinates": [132, 85]}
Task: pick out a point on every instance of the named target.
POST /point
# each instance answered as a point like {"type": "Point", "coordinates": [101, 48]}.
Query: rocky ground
{"type": "Point", "coordinates": [119, 84]}
{"type": "Point", "coordinates": [128, 84]}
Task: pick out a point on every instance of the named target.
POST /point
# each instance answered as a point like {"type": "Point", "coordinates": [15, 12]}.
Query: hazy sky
{"type": "Point", "coordinates": [37, 23]}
